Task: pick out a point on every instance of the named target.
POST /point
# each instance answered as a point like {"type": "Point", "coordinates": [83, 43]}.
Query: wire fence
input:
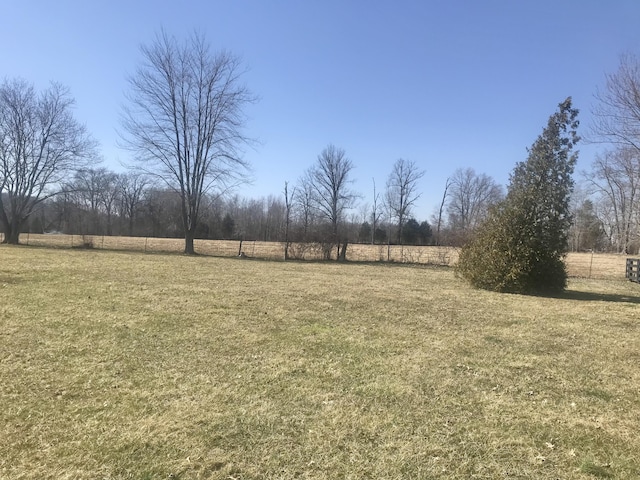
{"type": "Point", "coordinates": [430, 255]}
{"type": "Point", "coordinates": [586, 265]}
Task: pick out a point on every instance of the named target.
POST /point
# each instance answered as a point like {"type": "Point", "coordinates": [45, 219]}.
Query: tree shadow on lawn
{"type": "Point", "coordinates": [596, 297]}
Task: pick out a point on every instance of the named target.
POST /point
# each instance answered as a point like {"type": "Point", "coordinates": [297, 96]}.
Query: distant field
{"type": "Point", "coordinates": [119, 365]}
{"type": "Point", "coordinates": [579, 264]}
{"type": "Point", "coordinates": [598, 265]}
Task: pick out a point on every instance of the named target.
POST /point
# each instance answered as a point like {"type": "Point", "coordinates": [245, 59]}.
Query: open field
{"type": "Point", "coordinates": [587, 265]}
{"type": "Point", "coordinates": [117, 365]}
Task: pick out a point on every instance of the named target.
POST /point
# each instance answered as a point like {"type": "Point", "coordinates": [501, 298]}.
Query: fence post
{"type": "Point", "coordinates": [632, 270]}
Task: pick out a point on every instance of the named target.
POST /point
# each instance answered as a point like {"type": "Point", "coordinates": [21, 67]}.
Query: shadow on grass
{"type": "Point", "coordinates": [597, 297]}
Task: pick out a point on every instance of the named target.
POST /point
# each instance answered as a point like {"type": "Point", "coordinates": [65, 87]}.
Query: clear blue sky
{"type": "Point", "coordinates": [446, 84]}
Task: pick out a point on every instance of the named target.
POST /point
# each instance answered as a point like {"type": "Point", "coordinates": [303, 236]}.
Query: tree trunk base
{"type": "Point", "coordinates": [342, 252]}
{"type": "Point", "coordinates": [188, 245]}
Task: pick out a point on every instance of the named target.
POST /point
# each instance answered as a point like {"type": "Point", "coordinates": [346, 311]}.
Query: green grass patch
{"type": "Point", "coordinates": [125, 365]}
{"type": "Point", "coordinates": [600, 471]}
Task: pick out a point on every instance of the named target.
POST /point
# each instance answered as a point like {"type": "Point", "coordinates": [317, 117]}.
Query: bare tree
{"type": "Point", "coordinates": [303, 204]}
{"type": "Point", "coordinates": [617, 110]}
{"type": "Point", "coordinates": [63, 209]}
{"type": "Point", "coordinates": [288, 202]}
{"type": "Point", "coordinates": [132, 187]}
{"type": "Point", "coordinates": [615, 175]}
{"type": "Point", "coordinates": [332, 195]}
{"type": "Point", "coordinates": [85, 190]}
{"type": "Point", "coordinates": [40, 143]}
{"type": "Point", "coordinates": [438, 222]}
{"type": "Point", "coordinates": [257, 218]}
{"type": "Point", "coordinates": [185, 121]}
{"type": "Point", "coordinates": [275, 218]}
{"type": "Point", "coordinates": [97, 191]}
{"type": "Point", "coordinates": [161, 212]}
{"type": "Point", "coordinates": [470, 196]}
{"type": "Point", "coordinates": [615, 178]}
{"type": "Point", "coordinates": [401, 194]}
{"type": "Point", "coordinates": [376, 212]}
{"type": "Point", "coordinates": [109, 195]}
{"type": "Point", "coordinates": [586, 231]}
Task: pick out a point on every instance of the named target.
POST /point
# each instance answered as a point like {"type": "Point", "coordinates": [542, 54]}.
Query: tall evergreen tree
{"type": "Point", "coordinates": [520, 248]}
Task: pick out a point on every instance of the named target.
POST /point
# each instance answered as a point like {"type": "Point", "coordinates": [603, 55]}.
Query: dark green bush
{"type": "Point", "coordinates": [521, 246]}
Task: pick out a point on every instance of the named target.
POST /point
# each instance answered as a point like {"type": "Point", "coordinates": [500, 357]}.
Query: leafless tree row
{"type": "Point", "coordinates": [98, 201]}
{"type": "Point", "coordinates": [609, 216]}
{"type": "Point", "coordinates": [184, 124]}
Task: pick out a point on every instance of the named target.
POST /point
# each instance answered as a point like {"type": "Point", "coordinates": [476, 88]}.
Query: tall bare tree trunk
{"type": "Point", "coordinates": [342, 252]}
{"type": "Point", "coordinates": [440, 211]}
{"type": "Point", "coordinates": [188, 242]}
{"type": "Point", "coordinates": [12, 232]}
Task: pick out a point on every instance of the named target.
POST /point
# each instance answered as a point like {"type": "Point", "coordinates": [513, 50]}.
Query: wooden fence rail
{"type": "Point", "coordinates": [633, 267]}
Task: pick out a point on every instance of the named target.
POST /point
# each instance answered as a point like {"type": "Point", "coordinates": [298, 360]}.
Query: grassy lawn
{"type": "Point", "coordinates": [125, 365]}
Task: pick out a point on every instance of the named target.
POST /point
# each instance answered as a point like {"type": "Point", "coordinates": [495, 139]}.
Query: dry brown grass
{"type": "Point", "coordinates": [123, 365]}
{"type": "Point", "coordinates": [598, 265]}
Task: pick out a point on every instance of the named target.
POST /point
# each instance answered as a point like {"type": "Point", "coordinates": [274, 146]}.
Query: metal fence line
{"type": "Point", "coordinates": [585, 265]}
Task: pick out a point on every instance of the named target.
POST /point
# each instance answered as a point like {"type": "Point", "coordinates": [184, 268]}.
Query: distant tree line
{"type": "Point", "coordinates": [183, 123]}
{"type": "Point", "coordinates": [607, 211]}
{"type": "Point", "coordinates": [98, 201]}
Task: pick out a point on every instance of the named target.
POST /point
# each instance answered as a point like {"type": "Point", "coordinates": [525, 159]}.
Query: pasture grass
{"type": "Point", "coordinates": [125, 365]}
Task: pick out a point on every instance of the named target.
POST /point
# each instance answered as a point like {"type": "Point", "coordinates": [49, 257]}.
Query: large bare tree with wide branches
{"type": "Point", "coordinates": [185, 120]}
{"type": "Point", "coordinates": [40, 144]}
